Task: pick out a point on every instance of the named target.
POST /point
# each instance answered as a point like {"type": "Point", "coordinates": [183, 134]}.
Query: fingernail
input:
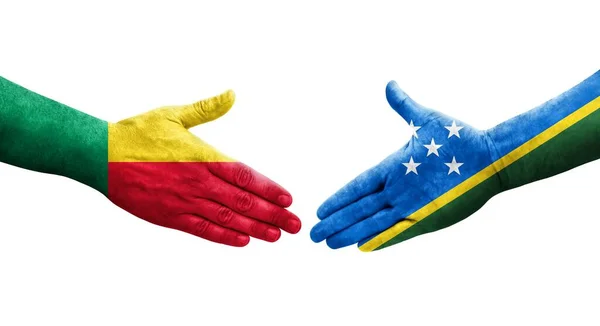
{"type": "Point", "coordinates": [294, 226]}
{"type": "Point", "coordinates": [272, 235]}
{"type": "Point", "coordinates": [242, 240]}
{"type": "Point", "coordinates": [284, 200]}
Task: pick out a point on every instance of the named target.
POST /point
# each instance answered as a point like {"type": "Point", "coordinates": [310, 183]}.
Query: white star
{"type": "Point", "coordinates": [411, 166]}
{"type": "Point", "coordinates": [453, 166]}
{"type": "Point", "coordinates": [414, 128]}
{"type": "Point", "coordinates": [432, 148]}
{"type": "Point", "coordinates": [453, 129]}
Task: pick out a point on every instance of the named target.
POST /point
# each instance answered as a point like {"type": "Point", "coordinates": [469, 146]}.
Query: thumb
{"type": "Point", "coordinates": [405, 106]}
{"type": "Point", "coordinates": [206, 110]}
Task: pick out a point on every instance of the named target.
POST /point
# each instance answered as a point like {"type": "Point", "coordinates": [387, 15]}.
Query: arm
{"type": "Point", "coordinates": [448, 169]}
{"type": "Point", "coordinates": [557, 136]}
{"type": "Point", "coordinates": [39, 134]}
{"type": "Point", "coordinates": [150, 165]}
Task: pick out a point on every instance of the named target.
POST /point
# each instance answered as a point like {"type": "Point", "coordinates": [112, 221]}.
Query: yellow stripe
{"type": "Point", "coordinates": [156, 137]}
{"type": "Point", "coordinates": [482, 175]}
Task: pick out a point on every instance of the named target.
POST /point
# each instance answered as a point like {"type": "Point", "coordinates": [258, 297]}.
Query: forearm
{"type": "Point", "coordinates": [557, 136]}
{"type": "Point", "coordinates": [40, 134]}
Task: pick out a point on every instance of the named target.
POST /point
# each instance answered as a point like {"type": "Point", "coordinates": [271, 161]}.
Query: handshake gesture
{"type": "Point", "coordinates": [153, 167]}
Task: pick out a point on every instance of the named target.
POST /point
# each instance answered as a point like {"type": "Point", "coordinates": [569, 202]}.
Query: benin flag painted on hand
{"type": "Point", "coordinates": [160, 172]}
{"type": "Point", "coordinates": [150, 165]}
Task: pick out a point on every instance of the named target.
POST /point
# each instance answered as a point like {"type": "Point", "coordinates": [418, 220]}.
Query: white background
{"type": "Point", "coordinates": [311, 114]}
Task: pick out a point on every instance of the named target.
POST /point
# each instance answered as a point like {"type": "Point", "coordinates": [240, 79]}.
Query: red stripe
{"type": "Point", "coordinates": [162, 193]}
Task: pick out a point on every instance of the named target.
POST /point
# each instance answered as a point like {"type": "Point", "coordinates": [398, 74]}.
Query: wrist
{"type": "Point", "coordinates": [86, 156]}
{"type": "Point", "coordinates": [552, 138]}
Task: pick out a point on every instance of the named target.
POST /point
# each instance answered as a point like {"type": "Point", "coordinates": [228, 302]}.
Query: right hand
{"type": "Point", "coordinates": [162, 173]}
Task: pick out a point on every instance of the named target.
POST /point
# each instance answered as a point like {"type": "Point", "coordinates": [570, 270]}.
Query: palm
{"type": "Point", "coordinates": [387, 203]}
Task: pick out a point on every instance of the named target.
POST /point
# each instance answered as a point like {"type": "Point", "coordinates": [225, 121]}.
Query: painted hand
{"type": "Point", "coordinates": [420, 188]}
{"type": "Point", "coordinates": [162, 173]}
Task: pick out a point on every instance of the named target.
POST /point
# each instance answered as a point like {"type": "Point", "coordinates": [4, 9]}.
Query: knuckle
{"type": "Point", "coordinates": [201, 227]}
{"type": "Point", "coordinates": [268, 190]}
{"type": "Point", "coordinates": [244, 202]}
{"type": "Point", "coordinates": [275, 216]}
{"type": "Point", "coordinates": [224, 215]}
{"type": "Point", "coordinates": [199, 107]}
{"type": "Point", "coordinates": [225, 237]}
{"type": "Point", "coordinates": [253, 228]}
{"type": "Point", "coordinates": [243, 177]}
{"type": "Point", "coordinates": [210, 191]}
{"type": "Point", "coordinates": [204, 184]}
{"type": "Point", "coordinates": [200, 173]}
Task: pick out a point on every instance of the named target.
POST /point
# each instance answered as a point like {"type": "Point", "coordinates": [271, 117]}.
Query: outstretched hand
{"type": "Point", "coordinates": [418, 189]}
{"type": "Point", "coordinates": [164, 174]}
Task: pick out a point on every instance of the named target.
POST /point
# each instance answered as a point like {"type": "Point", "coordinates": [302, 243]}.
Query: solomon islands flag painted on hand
{"type": "Point", "coordinates": [449, 169]}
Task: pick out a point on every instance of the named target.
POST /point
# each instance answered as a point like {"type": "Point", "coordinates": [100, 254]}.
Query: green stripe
{"type": "Point", "coordinates": [40, 134]}
{"type": "Point", "coordinates": [573, 147]}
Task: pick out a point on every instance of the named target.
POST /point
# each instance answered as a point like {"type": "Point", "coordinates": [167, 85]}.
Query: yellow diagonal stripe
{"type": "Point", "coordinates": [482, 175]}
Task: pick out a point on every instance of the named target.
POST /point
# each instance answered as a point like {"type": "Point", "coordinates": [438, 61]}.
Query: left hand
{"type": "Point", "coordinates": [415, 190]}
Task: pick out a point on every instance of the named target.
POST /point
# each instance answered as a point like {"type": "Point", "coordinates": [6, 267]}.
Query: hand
{"type": "Point", "coordinates": [441, 176]}
{"type": "Point", "coordinates": [162, 173]}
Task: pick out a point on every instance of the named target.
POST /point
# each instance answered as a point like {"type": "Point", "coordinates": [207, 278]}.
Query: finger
{"type": "Point", "coordinates": [348, 216]}
{"type": "Point", "coordinates": [405, 106]}
{"type": "Point", "coordinates": [368, 227]}
{"type": "Point", "coordinates": [208, 230]}
{"type": "Point", "coordinates": [252, 206]}
{"type": "Point", "coordinates": [366, 183]}
{"type": "Point", "coordinates": [206, 110]}
{"type": "Point", "coordinates": [227, 218]}
{"type": "Point", "coordinates": [244, 177]}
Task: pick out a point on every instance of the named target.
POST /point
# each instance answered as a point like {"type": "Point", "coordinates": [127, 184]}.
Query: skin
{"type": "Point", "coordinates": [386, 194]}
{"type": "Point", "coordinates": [204, 193]}
{"type": "Point", "coordinates": [151, 165]}
{"type": "Point", "coordinates": [421, 189]}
